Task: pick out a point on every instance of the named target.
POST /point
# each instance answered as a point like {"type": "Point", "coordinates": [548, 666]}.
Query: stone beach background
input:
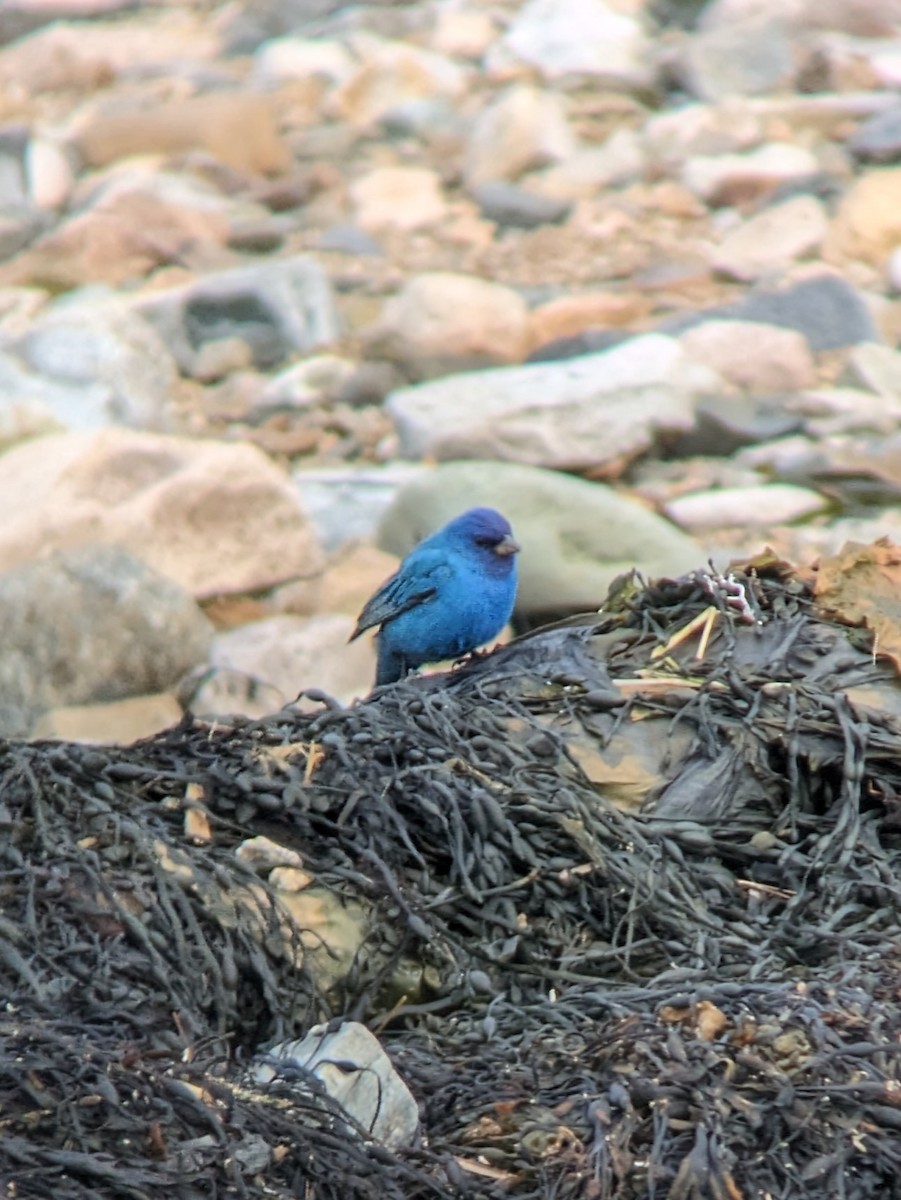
{"type": "Point", "coordinates": [284, 284]}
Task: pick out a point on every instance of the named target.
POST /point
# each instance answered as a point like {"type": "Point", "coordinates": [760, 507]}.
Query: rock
{"type": "Point", "coordinates": [348, 239]}
{"type": "Point", "coordinates": [737, 178]}
{"type": "Point", "coordinates": [293, 58]}
{"type": "Point", "coordinates": [92, 623]}
{"type": "Point", "coordinates": [118, 724]}
{"type": "Point", "coordinates": [725, 423]}
{"type": "Point", "coordinates": [518, 208]}
{"type": "Point", "coordinates": [389, 75]}
{"type": "Point", "coordinates": [244, 27]}
{"type": "Point", "coordinates": [136, 221]}
{"type": "Point", "coordinates": [570, 315]}
{"type": "Point", "coordinates": [761, 507]}
{"type": "Point", "coordinates": [71, 56]}
{"type": "Point", "coordinates": [13, 144]}
{"type": "Point", "coordinates": [260, 667]}
{"type": "Point", "coordinates": [758, 358]}
{"type": "Point", "coordinates": [214, 517]}
{"type": "Point", "coordinates": [581, 175]}
{"type": "Point", "coordinates": [278, 308]}
{"type": "Point", "coordinates": [441, 322]}
{"type": "Point", "coordinates": [398, 198]}
{"type": "Point", "coordinates": [345, 504]}
{"type": "Point", "coordinates": [49, 174]}
{"type": "Point", "coordinates": [577, 37]}
{"type": "Point", "coordinates": [867, 225]}
{"type": "Point", "coordinates": [354, 574]}
{"type": "Point", "coordinates": [20, 17]}
{"type": "Point", "coordinates": [351, 1066]}
{"type": "Point", "coordinates": [576, 536]}
{"type": "Point", "coordinates": [830, 411]}
{"type": "Point", "coordinates": [877, 368]}
{"type": "Point", "coordinates": [315, 380]}
{"type": "Point", "coordinates": [826, 309]}
{"type": "Point", "coordinates": [746, 58]}
{"type": "Point", "coordinates": [238, 128]}
{"type": "Point", "coordinates": [863, 18]}
{"type": "Point", "coordinates": [103, 363]}
{"type": "Point", "coordinates": [878, 139]}
{"type": "Point", "coordinates": [463, 32]}
{"type": "Point", "coordinates": [524, 128]}
{"type": "Point", "coordinates": [576, 414]}
{"type": "Point", "coordinates": [770, 240]}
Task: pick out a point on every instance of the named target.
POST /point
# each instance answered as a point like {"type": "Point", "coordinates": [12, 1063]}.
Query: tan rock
{"type": "Point", "coordinates": [87, 55]}
{"type": "Point", "coordinates": [569, 315]}
{"type": "Point", "coordinates": [132, 229]}
{"type": "Point", "coordinates": [391, 74]}
{"type": "Point", "coordinates": [463, 32]}
{"type": "Point", "coordinates": [867, 225]}
{"type": "Point", "coordinates": [218, 518]}
{"type": "Point", "coordinates": [117, 724]}
{"type": "Point", "coordinates": [49, 173]}
{"type": "Point", "coordinates": [261, 667]}
{"type": "Point", "coordinates": [352, 577]}
{"type": "Point", "coordinates": [238, 128]}
{"type": "Point", "coordinates": [398, 198]}
{"type": "Point", "coordinates": [441, 322]}
{"type": "Point", "coordinates": [771, 239]}
{"type": "Point", "coordinates": [758, 358]}
{"type": "Point", "coordinates": [522, 129]}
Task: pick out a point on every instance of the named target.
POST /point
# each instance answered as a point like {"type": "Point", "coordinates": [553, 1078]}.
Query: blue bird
{"type": "Point", "coordinates": [452, 593]}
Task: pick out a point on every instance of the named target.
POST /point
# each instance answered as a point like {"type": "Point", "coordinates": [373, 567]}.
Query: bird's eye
{"type": "Point", "coordinates": [483, 540]}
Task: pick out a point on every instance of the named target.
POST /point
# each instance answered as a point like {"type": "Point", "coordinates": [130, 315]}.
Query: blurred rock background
{"type": "Point", "coordinates": [287, 283]}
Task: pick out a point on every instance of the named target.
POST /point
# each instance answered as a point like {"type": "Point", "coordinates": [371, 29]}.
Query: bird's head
{"type": "Point", "coordinates": [487, 532]}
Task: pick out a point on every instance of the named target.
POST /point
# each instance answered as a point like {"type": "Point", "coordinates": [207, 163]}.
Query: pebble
{"type": "Point", "coordinates": [767, 242]}
{"type": "Point", "coordinates": [524, 128]}
{"type": "Point", "coordinates": [403, 198]}
{"type": "Point", "coordinates": [578, 37]}
{"type": "Point", "coordinates": [517, 207]}
{"type": "Point", "coordinates": [878, 139]}
{"type": "Point", "coordinates": [276, 308]}
{"type": "Point", "coordinates": [867, 225]}
{"type": "Point", "coordinates": [746, 58]}
{"type": "Point", "coordinates": [754, 357]}
{"type": "Point", "coordinates": [345, 504]}
{"type": "Point", "coordinates": [764, 506]}
{"type": "Point", "coordinates": [442, 322]}
{"type": "Point", "coordinates": [118, 723]}
{"type": "Point", "coordinates": [737, 178]}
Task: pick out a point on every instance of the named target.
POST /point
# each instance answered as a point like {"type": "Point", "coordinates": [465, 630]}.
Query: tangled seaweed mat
{"type": "Point", "coordinates": [695, 999]}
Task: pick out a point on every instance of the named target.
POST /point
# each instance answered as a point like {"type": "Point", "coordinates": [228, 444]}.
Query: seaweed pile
{"type": "Point", "coordinates": [692, 996]}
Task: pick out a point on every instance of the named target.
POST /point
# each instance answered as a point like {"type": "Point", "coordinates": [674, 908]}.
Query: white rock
{"type": "Point", "coordinates": [578, 37]}
{"type": "Point", "coordinates": [578, 413]}
{"type": "Point", "coordinates": [299, 58]}
{"type": "Point", "coordinates": [756, 357]}
{"type": "Point", "coordinates": [49, 174]}
{"type": "Point", "coordinates": [716, 179]}
{"type": "Point", "coordinates": [766, 505]}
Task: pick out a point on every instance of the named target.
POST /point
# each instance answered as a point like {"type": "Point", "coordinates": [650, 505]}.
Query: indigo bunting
{"type": "Point", "coordinates": [452, 592]}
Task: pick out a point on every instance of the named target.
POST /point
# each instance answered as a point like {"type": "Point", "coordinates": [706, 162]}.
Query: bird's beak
{"type": "Point", "coordinates": [507, 546]}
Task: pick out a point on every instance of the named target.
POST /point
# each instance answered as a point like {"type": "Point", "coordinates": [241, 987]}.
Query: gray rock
{"type": "Point", "coordinates": [20, 17]}
{"type": "Point", "coordinates": [828, 311]}
{"type": "Point", "coordinates": [92, 624]}
{"type": "Point", "coordinates": [878, 139]}
{"type": "Point", "coordinates": [345, 504]}
{"type": "Point", "coordinates": [245, 26]}
{"type": "Point", "coordinates": [278, 308]}
{"type": "Point", "coordinates": [93, 363]}
{"type": "Point", "coordinates": [348, 239]}
{"type": "Point", "coordinates": [576, 536]}
{"type": "Point", "coordinates": [574, 415]}
{"type": "Point", "coordinates": [351, 1065]}
{"type": "Point", "coordinates": [516, 207]}
{"type": "Point", "coordinates": [13, 184]}
{"type": "Point", "coordinates": [749, 58]}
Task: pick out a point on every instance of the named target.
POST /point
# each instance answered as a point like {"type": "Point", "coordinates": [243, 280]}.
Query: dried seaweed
{"type": "Point", "coordinates": [697, 1000]}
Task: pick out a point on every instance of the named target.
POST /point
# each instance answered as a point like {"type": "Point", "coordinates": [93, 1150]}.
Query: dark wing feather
{"type": "Point", "coordinates": [415, 583]}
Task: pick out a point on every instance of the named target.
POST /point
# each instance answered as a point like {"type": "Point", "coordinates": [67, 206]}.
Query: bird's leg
{"type": "Point", "coordinates": [468, 659]}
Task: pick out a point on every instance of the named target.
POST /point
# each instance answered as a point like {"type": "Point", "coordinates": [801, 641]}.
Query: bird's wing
{"type": "Point", "coordinates": [417, 581]}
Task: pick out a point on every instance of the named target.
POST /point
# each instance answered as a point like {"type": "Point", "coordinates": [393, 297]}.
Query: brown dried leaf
{"type": "Point", "coordinates": [861, 585]}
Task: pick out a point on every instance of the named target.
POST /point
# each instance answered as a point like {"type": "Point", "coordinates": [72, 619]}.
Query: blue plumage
{"type": "Point", "coordinates": [452, 593]}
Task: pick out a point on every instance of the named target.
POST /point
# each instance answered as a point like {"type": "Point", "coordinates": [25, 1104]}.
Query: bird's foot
{"type": "Point", "coordinates": [468, 659]}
